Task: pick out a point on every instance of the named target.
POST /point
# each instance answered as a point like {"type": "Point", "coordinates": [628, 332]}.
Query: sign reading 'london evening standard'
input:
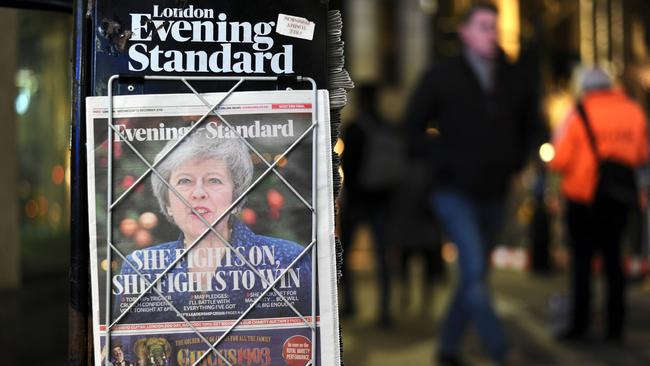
{"type": "Point", "coordinates": [193, 25]}
{"type": "Point", "coordinates": [208, 38]}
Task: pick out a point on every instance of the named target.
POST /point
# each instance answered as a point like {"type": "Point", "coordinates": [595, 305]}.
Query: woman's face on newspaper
{"type": "Point", "coordinates": [208, 187]}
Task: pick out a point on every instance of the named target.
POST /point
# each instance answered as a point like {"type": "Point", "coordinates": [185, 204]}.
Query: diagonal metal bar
{"type": "Point", "coordinates": [210, 227]}
{"type": "Point", "coordinates": [180, 314]}
{"type": "Point", "coordinates": [194, 126]}
{"type": "Point", "coordinates": [250, 308]}
{"type": "Point", "coordinates": [249, 145]}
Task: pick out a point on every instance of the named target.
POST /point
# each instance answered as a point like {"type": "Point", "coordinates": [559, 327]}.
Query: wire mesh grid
{"type": "Point", "coordinates": [210, 226]}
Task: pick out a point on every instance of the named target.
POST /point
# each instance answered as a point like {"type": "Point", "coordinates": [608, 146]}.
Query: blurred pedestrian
{"type": "Point", "coordinates": [485, 112]}
{"type": "Point", "coordinates": [371, 166]}
{"type": "Point", "coordinates": [596, 151]}
{"type": "Point", "coordinates": [415, 232]}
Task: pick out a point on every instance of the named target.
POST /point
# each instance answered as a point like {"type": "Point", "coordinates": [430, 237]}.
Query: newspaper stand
{"type": "Point", "coordinates": [271, 167]}
{"type": "Point", "coordinates": [321, 58]}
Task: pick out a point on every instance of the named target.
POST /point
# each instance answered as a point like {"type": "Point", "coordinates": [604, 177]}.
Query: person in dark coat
{"type": "Point", "coordinates": [363, 201]}
{"type": "Point", "coordinates": [485, 112]}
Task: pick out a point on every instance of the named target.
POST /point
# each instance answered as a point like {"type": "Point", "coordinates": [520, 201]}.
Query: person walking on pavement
{"type": "Point", "coordinates": [485, 112]}
{"type": "Point", "coordinates": [597, 150]}
{"type": "Point", "coordinates": [370, 164]}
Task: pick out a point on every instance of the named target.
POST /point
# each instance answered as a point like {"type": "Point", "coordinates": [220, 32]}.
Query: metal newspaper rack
{"type": "Point", "coordinates": [270, 167]}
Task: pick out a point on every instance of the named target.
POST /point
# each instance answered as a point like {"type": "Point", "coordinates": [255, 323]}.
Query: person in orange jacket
{"type": "Point", "coordinates": [619, 131]}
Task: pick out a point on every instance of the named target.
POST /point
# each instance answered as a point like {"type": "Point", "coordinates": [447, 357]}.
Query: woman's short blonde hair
{"type": "Point", "coordinates": [232, 151]}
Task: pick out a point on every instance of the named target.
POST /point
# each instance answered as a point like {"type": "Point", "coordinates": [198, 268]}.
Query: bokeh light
{"type": "Point", "coordinates": [248, 216]}
{"type": "Point", "coordinates": [282, 161]}
{"type": "Point", "coordinates": [43, 205]}
{"type": "Point", "coordinates": [58, 174]}
{"type": "Point", "coordinates": [22, 101]}
{"type": "Point", "coordinates": [56, 213]}
{"type": "Point", "coordinates": [449, 252]}
{"type": "Point", "coordinates": [31, 209]}
{"type": "Point", "coordinates": [143, 238]}
{"type": "Point", "coordinates": [129, 226]}
{"type": "Point", "coordinates": [546, 152]}
{"type": "Point", "coordinates": [339, 147]}
{"type": "Point", "coordinates": [148, 220]}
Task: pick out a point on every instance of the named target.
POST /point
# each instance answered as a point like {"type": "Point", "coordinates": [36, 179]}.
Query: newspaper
{"type": "Point", "coordinates": [220, 220]}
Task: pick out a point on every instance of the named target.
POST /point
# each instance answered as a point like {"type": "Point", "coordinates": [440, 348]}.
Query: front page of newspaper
{"type": "Point", "coordinates": [218, 214]}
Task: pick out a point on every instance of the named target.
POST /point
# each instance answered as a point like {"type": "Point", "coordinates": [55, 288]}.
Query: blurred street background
{"type": "Point", "coordinates": [527, 304]}
{"type": "Point", "coordinates": [389, 44]}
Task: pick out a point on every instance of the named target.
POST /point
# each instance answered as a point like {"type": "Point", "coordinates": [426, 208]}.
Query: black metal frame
{"type": "Point", "coordinates": [79, 336]}
{"type": "Point", "coordinates": [55, 5]}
